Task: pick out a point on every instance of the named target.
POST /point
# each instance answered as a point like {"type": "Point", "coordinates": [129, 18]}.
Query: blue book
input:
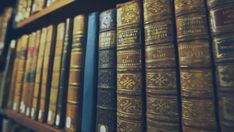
{"type": "Point", "coordinates": [90, 73]}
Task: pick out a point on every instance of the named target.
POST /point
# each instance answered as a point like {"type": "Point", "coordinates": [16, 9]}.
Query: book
{"type": "Point", "coordinates": [90, 75]}
{"type": "Point", "coordinates": [130, 96]}
{"type": "Point", "coordinates": [18, 86]}
{"type": "Point", "coordinates": [64, 75]}
{"type": "Point", "coordinates": [196, 76]}
{"type": "Point", "coordinates": [56, 73]}
{"type": "Point", "coordinates": [7, 75]}
{"type": "Point", "coordinates": [222, 22]}
{"type": "Point", "coordinates": [37, 5]}
{"type": "Point", "coordinates": [47, 73]}
{"type": "Point", "coordinates": [106, 91]}
{"type": "Point", "coordinates": [75, 82]}
{"type": "Point", "coordinates": [162, 78]}
{"type": "Point", "coordinates": [27, 79]}
{"type": "Point", "coordinates": [37, 84]}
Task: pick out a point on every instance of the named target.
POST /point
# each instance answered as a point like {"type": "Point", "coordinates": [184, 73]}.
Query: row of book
{"type": "Point", "coordinates": [156, 65]}
{"type": "Point", "coordinates": [25, 8]}
{"type": "Point", "coordinates": [4, 20]}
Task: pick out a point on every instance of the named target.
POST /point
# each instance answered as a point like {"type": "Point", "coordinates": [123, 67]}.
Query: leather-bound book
{"type": "Point", "coordinates": [64, 75]}
{"type": "Point", "coordinates": [7, 74]}
{"type": "Point", "coordinates": [38, 77]}
{"type": "Point", "coordinates": [75, 82]}
{"type": "Point", "coordinates": [106, 91]}
{"type": "Point", "coordinates": [47, 73]}
{"type": "Point", "coordinates": [130, 87]}
{"type": "Point", "coordinates": [27, 79]}
{"type": "Point", "coordinates": [196, 76]}
{"type": "Point", "coordinates": [90, 75]}
{"type": "Point", "coordinates": [161, 68]}
{"type": "Point", "coordinates": [20, 72]}
{"type": "Point", "coordinates": [12, 82]}
{"type": "Point", "coordinates": [222, 23]}
{"type": "Point", "coordinates": [56, 73]}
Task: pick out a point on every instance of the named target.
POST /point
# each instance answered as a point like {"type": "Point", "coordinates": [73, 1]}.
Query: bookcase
{"type": "Point", "coordinates": [118, 65]}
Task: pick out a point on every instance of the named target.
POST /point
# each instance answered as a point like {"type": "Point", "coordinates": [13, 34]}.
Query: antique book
{"type": "Point", "coordinates": [106, 91]}
{"type": "Point", "coordinates": [161, 67]}
{"type": "Point", "coordinates": [222, 23]}
{"type": "Point", "coordinates": [196, 76]}
{"type": "Point", "coordinates": [56, 73]}
{"type": "Point", "coordinates": [27, 80]}
{"type": "Point", "coordinates": [28, 9]}
{"type": "Point", "coordinates": [10, 99]}
{"type": "Point", "coordinates": [75, 82]}
{"type": "Point", "coordinates": [90, 77]}
{"type": "Point", "coordinates": [37, 5]}
{"type": "Point", "coordinates": [7, 75]}
{"type": "Point", "coordinates": [64, 74]}
{"type": "Point", "coordinates": [22, 55]}
{"type": "Point", "coordinates": [47, 73]}
{"type": "Point", "coordinates": [38, 77]}
{"type": "Point", "coordinates": [130, 87]}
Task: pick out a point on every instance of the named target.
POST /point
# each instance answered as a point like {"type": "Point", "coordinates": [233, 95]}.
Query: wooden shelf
{"type": "Point", "coordinates": [55, 6]}
{"type": "Point", "coordinates": [29, 123]}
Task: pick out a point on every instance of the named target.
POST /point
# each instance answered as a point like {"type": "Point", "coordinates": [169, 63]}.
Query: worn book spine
{"type": "Point", "coordinates": [106, 91]}
{"type": "Point", "coordinates": [222, 23]}
{"type": "Point", "coordinates": [196, 76]}
{"type": "Point", "coordinates": [20, 72]}
{"type": "Point", "coordinates": [162, 78]}
{"type": "Point", "coordinates": [130, 96]}
{"type": "Point", "coordinates": [47, 73]}
{"type": "Point", "coordinates": [7, 74]}
{"type": "Point", "coordinates": [37, 5]}
{"type": "Point", "coordinates": [32, 73]}
{"type": "Point", "coordinates": [27, 78]}
{"type": "Point", "coordinates": [75, 82]}
{"type": "Point", "coordinates": [56, 73]}
{"type": "Point", "coordinates": [13, 78]}
{"type": "Point", "coordinates": [90, 75]}
{"type": "Point", "coordinates": [38, 77]}
{"type": "Point", "coordinates": [64, 74]}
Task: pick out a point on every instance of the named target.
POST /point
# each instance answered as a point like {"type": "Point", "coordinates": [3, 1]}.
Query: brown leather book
{"type": "Point", "coordinates": [20, 72]}
{"type": "Point", "coordinates": [38, 77]}
{"type": "Point", "coordinates": [47, 73]}
{"type": "Point", "coordinates": [106, 92]}
{"type": "Point", "coordinates": [222, 23]}
{"type": "Point", "coordinates": [197, 86]}
{"type": "Point", "coordinates": [27, 84]}
{"type": "Point", "coordinates": [130, 116]}
{"type": "Point", "coordinates": [56, 73]}
{"type": "Point", "coordinates": [74, 97]}
{"type": "Point", "coordinates": [161, 67]}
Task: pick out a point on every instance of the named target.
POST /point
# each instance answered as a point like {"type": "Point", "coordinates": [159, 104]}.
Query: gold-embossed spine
{"type": "Point", "coordinates": [196, 76]}
{"type": "Point", "coordinates": [56, 73]}
{"type": "Point", "coordinates": [130, 116]}
{"type": "Point", "coordinates": [47, 73]}
{"type": "Point", "coordinates": [222, 22]}
{"type": "Point", "coordinates": [75, 86]}
{"type": "Point", "coordinates": [160, 64]}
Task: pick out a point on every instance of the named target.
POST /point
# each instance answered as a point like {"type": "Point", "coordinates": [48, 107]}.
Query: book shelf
{"type": "Point", "coordinates": [29, 123]}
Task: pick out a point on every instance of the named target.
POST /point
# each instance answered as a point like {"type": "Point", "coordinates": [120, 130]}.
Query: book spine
{"type": "Point", "coordinates": [47, 73]}
{"type": "Point", "coordinates": [27, 80]}
{"type": "Point", "coordinates": [222, 23]}
{"type": "Point", "coordinates": [130, 97]}
{"type": "Point", "coordinates": [106, 92]}
{"type": "Point", "coordinates": [37, 84]}
{"type": "Point", "coordinates": [56, 73]}
{"type": "Point", "coordinates": [90, 77]}
{"type": "Point", "coordinates": [161, 67]}
{"type": "Point", "coordinates": [75, 82]}
{"type": "Point", "coordinates": [32, 74]}
{"type": "Point", "coordinates": [64, 74]}
{"type": "Point", "coordinates": [196, 77]}
{"type": "Point", "coordinates": [20, 72]}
